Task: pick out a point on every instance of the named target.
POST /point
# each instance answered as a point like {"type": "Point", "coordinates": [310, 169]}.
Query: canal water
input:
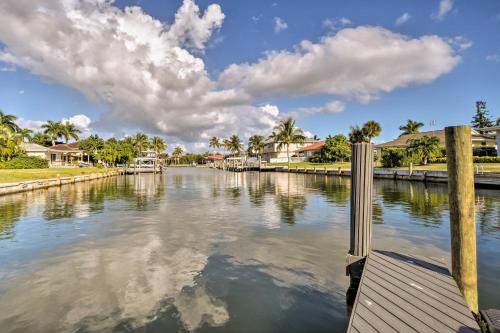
{"type": "Point", "coordinates": [199, 250]}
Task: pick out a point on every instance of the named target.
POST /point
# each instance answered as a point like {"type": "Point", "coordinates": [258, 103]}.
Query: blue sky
{"type": "Point", "coordinates": [36, 92]}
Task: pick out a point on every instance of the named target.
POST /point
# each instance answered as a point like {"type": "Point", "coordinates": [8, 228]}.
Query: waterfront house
{"type": "Point", "coordinates": [495, 130]}
{"type": "Point", "coordinates": [35, 150]}
{"type": "Point", "coordinates": [65, 154]}
{"type": "Point", "coordinates": [274, 155]}
{"type": "Point", "coordinates": [309, 151]}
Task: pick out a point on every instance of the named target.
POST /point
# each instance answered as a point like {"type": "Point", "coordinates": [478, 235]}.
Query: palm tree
{"type": "Point", "coordinates": [371, 129]}
{"type": "Point", "coordinates": [357, 135]}
{"type": "Point", "coordinates": [158, 144]}
{"type": "Point", "coordinates": [10, 143]}
{"type": "Point", "coordinates": [53, 129]}
{"type": "Point", "coordinates": [69, 130]}
{"type": "Point", "coordinates": [256, 144]}
{"type": "Point", "coordinates": [41, 139]}
{"type": "Point", "coordinates": [92, 145]}
{"type": "Point", "coordinates": [411, 127]}
{"type": "Point", "coordinates": [177, 153]}
{"type": "Point", "coordinates": [234, 144]}
{"type": "Point", "coordinates": [214, 142]}
{"type": "Point", "coordinates": [141, 142]}
{"type": "Point", "coordinates": [9, 121]}
{"type": "Point", "coordinates": [285, 133]}
{"type": "Point", "coordinates": [25, 134]}
{"type": "Point", "coordinates": [425, 147]}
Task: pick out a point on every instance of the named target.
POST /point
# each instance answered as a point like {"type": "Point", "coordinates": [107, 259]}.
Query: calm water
{"type": "Point", "coordinates": [207, 251]}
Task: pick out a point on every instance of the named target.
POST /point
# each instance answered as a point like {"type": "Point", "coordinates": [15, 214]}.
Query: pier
{"type": "Point", "coordinates": [396, 292]}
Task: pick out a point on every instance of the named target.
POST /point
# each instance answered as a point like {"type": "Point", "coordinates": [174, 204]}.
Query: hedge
{"type": "Point", "coordinates": [475, 159]}
{"type": "Point", "coordinates": [25, 162]}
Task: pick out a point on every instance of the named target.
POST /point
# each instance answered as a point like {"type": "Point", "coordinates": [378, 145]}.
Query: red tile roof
{"type": "Point", "coordinates": [314, 146]}
{"type": "Point", "coordinates": [67, 147]}
{"type": "Point", "coordinates": [214, 157]}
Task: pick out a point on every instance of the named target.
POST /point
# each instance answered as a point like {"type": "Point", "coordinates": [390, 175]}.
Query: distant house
{"type": "Point", "coordinates": [273, 154]}
{"type": "Point", "coordinates": [495, 130]}
{"type": "Point", "coordinates": [478, 139]}
{"type": "Point", "coordinates": [36, 150]}
{"type": "Point", "coordinates": [212, 158]}
{"type": "Point", "coordinates": [65, 154]}
{"type": "Point", "coordinates": [310, 150]}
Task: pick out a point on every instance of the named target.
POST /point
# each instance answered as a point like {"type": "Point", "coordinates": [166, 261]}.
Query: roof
{"type": "Point", "coordinates": [34, 147]}
{"type": "Point", "coordinates": [271, 140]}
{"type": "Point", "coordinates": [314, 146]}
{"type": "Point", "coordinates": [67, 147]}
{"type": "Point", "coordinates": [214, 157]}
{"type": "Point", "coordinates": [402, 141]}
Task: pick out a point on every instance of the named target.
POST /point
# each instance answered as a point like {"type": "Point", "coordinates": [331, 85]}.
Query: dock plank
{"type": "Point", "coordinates": [406, 293]}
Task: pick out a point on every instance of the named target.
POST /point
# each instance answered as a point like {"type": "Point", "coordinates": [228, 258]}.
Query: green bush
{"type": "Point", "coordinates": [25, 162]}
{"type": "Point", "coordinates": [475, 159]}
{"type": "Point", "coordinates": [393, 157]}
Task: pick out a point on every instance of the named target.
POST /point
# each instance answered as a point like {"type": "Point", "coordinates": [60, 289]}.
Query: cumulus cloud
{"type": "Point", "coordinates": [360, 63]}
{"type": "Point", "coordinates": [279, 25]}
{"type": "Point", "coordinates": [335, 24]}
{"type": "Point", "coordinates": [460, 43]}
{"type": "Point", "coordinates": [402, 19]}
{"type": "Point", "coordinates": [445, 6]}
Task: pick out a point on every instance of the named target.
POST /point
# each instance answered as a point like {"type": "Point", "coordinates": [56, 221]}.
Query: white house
{"type": "Point", "coordinates": [271, 150]}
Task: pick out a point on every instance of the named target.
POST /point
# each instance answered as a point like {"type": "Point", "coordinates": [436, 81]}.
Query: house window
{"type": "Point", "coordinates": [52, 157]}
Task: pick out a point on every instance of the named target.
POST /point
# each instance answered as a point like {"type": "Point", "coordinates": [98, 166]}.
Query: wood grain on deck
{"type": "Point", "coordinates": [401, 293]}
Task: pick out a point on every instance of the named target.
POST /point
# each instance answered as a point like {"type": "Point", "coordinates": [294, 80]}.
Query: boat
{"type": "Point", "coordinates": [144, 165]}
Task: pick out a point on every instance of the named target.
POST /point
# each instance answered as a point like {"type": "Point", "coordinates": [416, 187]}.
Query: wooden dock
{"type": "Point", "coordinates": [402, 293]}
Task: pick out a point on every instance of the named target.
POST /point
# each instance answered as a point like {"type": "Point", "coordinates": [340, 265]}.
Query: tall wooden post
{"type": "Point", "coordinates": [361, 215]}
{"type": "Point", "coordinates": [361, 199]}
{"type": "Point", "coordinates": [462, 219]}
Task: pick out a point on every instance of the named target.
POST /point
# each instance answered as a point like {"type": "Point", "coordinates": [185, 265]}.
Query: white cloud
{"type": "Point", "coordinates": [34, 125]}
{"type": "Point", "coordinates": [279, 25]}
{"type": "Point", "coordinates": [335, 24]}
{"type": "Point", "coordinates": [329, 108]}
{"type": "Point", "coordinates": [361, 63]}
{"type": "Point", "coordinates": [445, 6]}
{"type": "Point", "coordinates": [460, 43]}
{"type": "Point", "coordinates": [493, 57]}
{"type": "Point", "coordinates": [402, 19]}
{"type": "Point", "coordinates": [80, 120]}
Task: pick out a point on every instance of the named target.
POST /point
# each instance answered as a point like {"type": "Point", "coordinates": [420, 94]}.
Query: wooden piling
{"type": "Point", "coordinates": [462, 219]}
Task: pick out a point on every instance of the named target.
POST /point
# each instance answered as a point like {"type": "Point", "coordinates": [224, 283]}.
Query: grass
{"type": "Point", "coordinates": [19, 175]}
{"type": "Point", "coordinates": [486, 167]}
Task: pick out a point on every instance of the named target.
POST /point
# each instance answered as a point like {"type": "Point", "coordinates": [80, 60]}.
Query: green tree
{"type": "Point", "coordinates": [285, 133]}
{"type": "Point", "coordinates": [41, 139]}
{"type": "Point", "coordinates": [141, 142]}
{"type": "Point", "coordinates": [69, 130]}
{"type": "Point", "coordinates": [9, 121]}
{"type": "Point", "coordinates": [10, 143]}
{"type": "Point", "coordinates": [158, 144]}
{"type": "Point", "coordinates": [177, 153]}
{"type": "Point", "coordinates": [92, 145]}
{"type": "Point", "coordinates": [411, 127]}
{"type": "Point", "coordinates": [256, 144]}
{"type": "Point", "coordinates": [371, 129]}
{"type": "Point", "coordinates": [24, 134]}
{"type": "Point", "coordinates": [481, 119]}
{"type": "Point", "coordinates": [425, 148]}
{"type": "Point", "coordinates": [357, 135]}
{"type": "Point", "coordinates": [214, 142]}
{"type": "Point", "coordinates": [335, 149]}
{"type": "Point", "coordinates": [53, 129]}
{"type": "Point", "coordinates": [234, 144]}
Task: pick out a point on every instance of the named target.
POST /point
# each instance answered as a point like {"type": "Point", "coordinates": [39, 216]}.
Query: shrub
{"type": "Point", "coordinates": [25, 162]}
{"type": "Point", "coordinates": [393, 157]}
{"type": "Point", "coordinates": [475, 159]}
{"type": "Point", "coordinates": [484, 151]}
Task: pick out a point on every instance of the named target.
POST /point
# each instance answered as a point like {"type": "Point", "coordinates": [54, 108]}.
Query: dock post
{"type": "Point", "coordinates": [462, 219]}
{"type": "Point", "coordinates": [361, 214]}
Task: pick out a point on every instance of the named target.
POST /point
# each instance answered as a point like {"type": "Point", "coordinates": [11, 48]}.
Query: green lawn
{"type": "Point", "coordinates": [18, 175]}
{"type": "Point", "coordinates": [486, 167]}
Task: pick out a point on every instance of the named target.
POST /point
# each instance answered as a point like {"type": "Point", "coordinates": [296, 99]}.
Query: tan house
{"type": "Point", "coordinates": [275, 155]}
{"type": "Point", "coordinates": [66, 154]}
{"type": "Point", "coordinates": [478, 139]}
{"type": "Point", "coordinates": [36, 150]}
{"type": "Point", "coordinates": [310, 150]}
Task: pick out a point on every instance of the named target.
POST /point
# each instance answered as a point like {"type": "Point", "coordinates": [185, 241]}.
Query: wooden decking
{"type": "Point", "coordinates": [401, 293]}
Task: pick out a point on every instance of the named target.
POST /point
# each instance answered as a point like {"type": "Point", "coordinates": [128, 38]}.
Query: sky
{"type": "Point", "coordinates": [189, 70]}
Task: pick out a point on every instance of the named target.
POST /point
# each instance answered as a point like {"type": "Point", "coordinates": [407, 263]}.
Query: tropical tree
{"type": "Point", "coordinates": [285, 133]}
{"type": "Point", "coordinates": [177, 153]}
{"type": "Point", "coordinates": [92, 145]}
{"type": "Point", "coordinates": [336, 148]}
{"type": "Point", "coordinates": [234, 144]}
{"type": "Point", "coordinates": [357, 135]}
{"type": "Point", "coordinates": [481, 119]}
{"type": "Point", "coordinates": [41, 139]}
{"type": "Point", "coordinates": [9, 121]}
{"type": "Point", "coordinates": [372, 129]}
{"type": "Point", "coordinates": [10, 143]}
{"type": "Point", "coordinates": [69, 130]}
{"type": "Point", "coordinates": [24, 134]}
{"type": "Point", "coordinates": [141, 142]}
{"type": "Point", "coordinates": [425, 148]}
{"type": "Point", "coordinates": [256, 144]}
{"type": "Point", "coordinates": [158, 145]}
{"type": "Point", "coordinates": [411, 127]}
{"type": "Point", "coordinates": [214, 142]}
{"type": "Point", "coordinates": [53, 129]}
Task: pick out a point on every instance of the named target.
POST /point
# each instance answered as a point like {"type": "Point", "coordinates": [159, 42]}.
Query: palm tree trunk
{"type": "Point", "coordinates": [288, 154]}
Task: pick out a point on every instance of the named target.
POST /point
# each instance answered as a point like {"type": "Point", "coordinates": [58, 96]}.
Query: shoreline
{"type": "Point", "coordinates": [487, 179]}
{"type": "Point", "coordinates": [36, 184]}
